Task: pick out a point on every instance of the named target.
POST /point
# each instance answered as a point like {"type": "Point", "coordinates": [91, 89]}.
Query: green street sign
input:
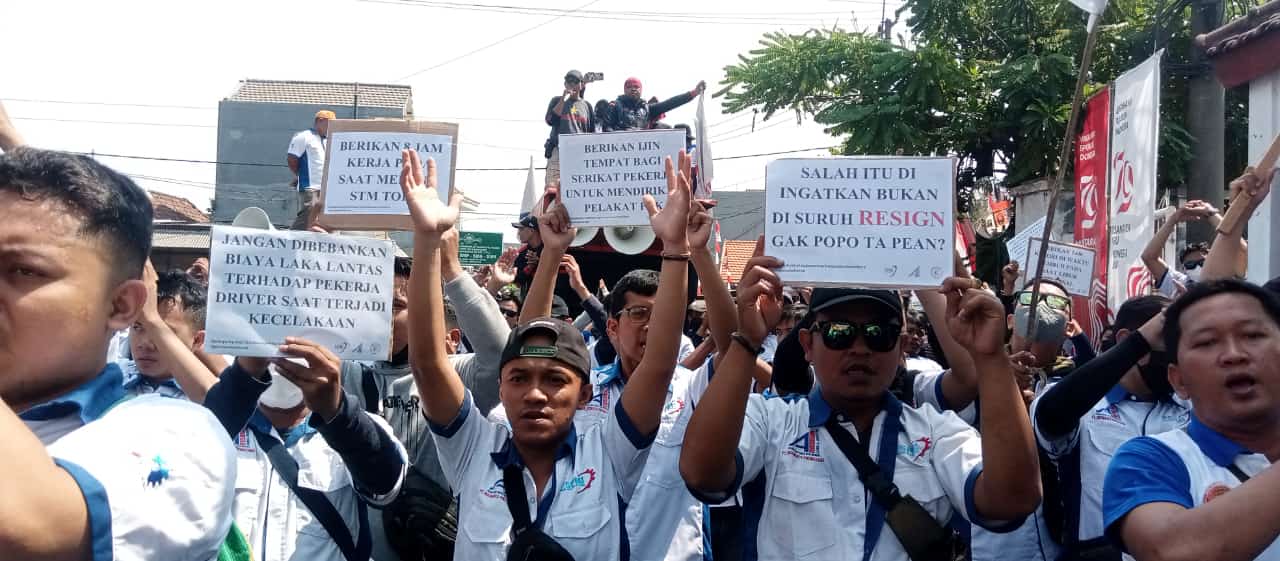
{"type": "Point", "coordinates": [479, 248]}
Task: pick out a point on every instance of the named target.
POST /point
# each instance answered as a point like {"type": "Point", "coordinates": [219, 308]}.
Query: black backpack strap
{"type": "Point", "coordinates": [513, 486]}
{"type": "Point", "coordinates": [882, 489]}
{"type": "Point", "coordinates": [315, 501]}
{"type": "Point", "coordinates": [369, 387]}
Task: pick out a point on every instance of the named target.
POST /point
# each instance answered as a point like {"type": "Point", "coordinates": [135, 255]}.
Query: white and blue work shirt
{"type": "Point", "coordinates": [582, 506]}
{"type": "Point", "coordinates": [1082, 455]}
{"type": "Point", "coordinates": [1187, 467]}
{"type": "Point", "coordinates": [811, 504]}
{"type": "Point", "coordinates": [308, 147]}
{"type": "Point", "coordinates": [664, 520]}
{"type": "Point", "coordinates": [274, 520]}
{"type": "Point", "coordinates": [136, 383]}
{"type": "Point", "coordinates": [156, 473]}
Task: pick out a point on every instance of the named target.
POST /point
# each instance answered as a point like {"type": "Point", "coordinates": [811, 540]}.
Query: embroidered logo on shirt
{"type": "Point", "coordinates": [496, 491]}
{"type": "Point", "coordinates": [1110, 413]}
{"type": "Point", "coordinates": [1214, 491]}
{"type": "Point", "coordinates": [599, 402]}
{"type": "Point", "coordinates": [805, 447]}
{"type": "Point", "coordinates": [917, 448]}
{"type": "Point", "coordinates": [242, 442]}
{"type": "Point", "coordinates": [159, 472]}
{"type": "Point", "coordinates": [674, 406]}
{"type": "Point", "coordinates": [581, 482]}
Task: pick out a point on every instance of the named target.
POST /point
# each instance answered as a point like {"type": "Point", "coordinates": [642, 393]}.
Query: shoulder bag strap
{"type": "Point", "coordinates": [369, 387]}
{"type": "Point", "coordinates": [315, 501]}
{"type": "Point", "coordinates": [513, 486]}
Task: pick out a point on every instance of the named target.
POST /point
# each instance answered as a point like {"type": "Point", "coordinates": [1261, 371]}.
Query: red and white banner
{"type": "Point", "coordinates": [1135, 136]}
{"type": "Point", "coordinates": [1091, 211]}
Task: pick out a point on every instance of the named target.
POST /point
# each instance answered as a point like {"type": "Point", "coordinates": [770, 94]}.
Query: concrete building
{"type": "Point", "coordinates": [256, 122]}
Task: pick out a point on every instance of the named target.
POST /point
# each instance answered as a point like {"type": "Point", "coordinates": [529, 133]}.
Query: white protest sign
{"type": "Point", "coordinates": [1072, 265]}
{"type": "Point", "coordinates": [361, 185]}
{"type": "Point", "coordinates": [604, 176]}
{"type": "Point", "coordinates": [265, 285]}
{"type": "Point", "coordinates": [868, 221]}
{"type": "Point", "coordinates": [1017, 245]}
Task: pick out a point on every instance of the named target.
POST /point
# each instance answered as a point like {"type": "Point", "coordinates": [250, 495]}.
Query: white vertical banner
{"type": "Point", "coordinates": [1135, 141]}
{"type": "Point", "coordinates": [702, 153]}
{"type": "Point", "coordinates": [1094, 7]}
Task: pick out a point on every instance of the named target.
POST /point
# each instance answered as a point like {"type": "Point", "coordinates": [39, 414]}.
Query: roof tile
{"type": "Point", "coordinates": [734, 258]}
{"type": "Point", "coordinates": [177, 209]}
{"type": "Point", "coordinates": [323, 93]}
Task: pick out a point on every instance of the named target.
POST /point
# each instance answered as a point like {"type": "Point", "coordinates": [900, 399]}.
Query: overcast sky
{"type": "Point", "coordinates": [176, 60]}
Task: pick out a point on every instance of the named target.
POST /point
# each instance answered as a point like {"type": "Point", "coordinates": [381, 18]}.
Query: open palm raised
{"type": "Point", "coordinates": [430, 216]}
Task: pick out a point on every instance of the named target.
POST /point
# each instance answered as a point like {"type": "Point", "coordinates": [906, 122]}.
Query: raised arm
{"type": "Point", "coordinates": [960, 384]}
{"type": "Point", "coordinates": [1003, 491]}
{"type": "Point", "coordinates": [646, 393]}
{"type": "Point", "coordinates": [441, 388]}
{"type": "Point", "coordinates": [192, 374]}
{"type": "Point", "coordinates": [1151, 255]}
{"type": "Point", "coordinates": [1229, 249]}
{"type": "Point", "coordinates": [557, 234]}
{"type": "Point", "coordinates": [9, 137]}
{"type": "Point", "coordinates": [722, 315]}
{"type": "Point", "coordinates": [711, 439]}
{"type": "Point", "coordinates": [669, 104]}
{"type": "Point", "coordinates": [43, 515]}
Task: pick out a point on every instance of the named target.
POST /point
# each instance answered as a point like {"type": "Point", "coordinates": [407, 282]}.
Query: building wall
{"type": "Point", "coordinates": [259, 133]}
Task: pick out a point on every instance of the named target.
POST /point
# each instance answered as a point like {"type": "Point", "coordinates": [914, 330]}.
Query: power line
{"type": "Point", "coordinates": [708, 18]}
{"type": "Point", "coordinates": [493, 44]}
{"type": "Point", "coordinates": [111, 104]}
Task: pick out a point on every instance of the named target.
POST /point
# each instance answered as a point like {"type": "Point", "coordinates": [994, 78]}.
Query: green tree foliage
{"type": "Point", "coordinates": [987, 80]}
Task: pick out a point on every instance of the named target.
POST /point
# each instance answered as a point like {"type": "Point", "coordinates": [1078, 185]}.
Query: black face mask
{"type": "Point", "coordinates": [1155, 373]}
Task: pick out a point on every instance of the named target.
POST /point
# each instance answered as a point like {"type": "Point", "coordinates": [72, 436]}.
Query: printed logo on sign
{"type": "Point", "coordinates": [496, 491]}
{"type": "Point", "coordinates": [1122, 170]}
{"type": "Point", "coordinates": [1139, 280]}
{"type": "Point", "coordinates": [917, 448]}
{"type": "Point", "coordinates": [1110, 414]}
{"type": "Point", "coordinates": [805, 447]}
{"type": "Point", "coordinates": [580, 482]}
{"type": "Point", "coordinates": [1089, 191]}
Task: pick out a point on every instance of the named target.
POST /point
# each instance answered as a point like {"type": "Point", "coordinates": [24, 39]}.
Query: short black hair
{"type": "Point", "coordinates": [795, 312]}
{"type": "Point", "coordinates": [1134, 313]}
{"type": "Point", "coordinates": [110, 205]}
{"type": "Point", "coordinates": [177, 286]}
{"type": "Point", "coordinates": [1201, 247]}
{"type": "Point", "coordinates": [1202, 290]}
{"type": "Point", "coordinates": [508, 294]}
{"type": "Point", "coordinates": [1041, 280]}
{"type": "Point", "coordinates": [643, 282]}
{"type": "Point", "coordinates": [917, 317]}
{"type": "Point", "coordinates": [403, 266]}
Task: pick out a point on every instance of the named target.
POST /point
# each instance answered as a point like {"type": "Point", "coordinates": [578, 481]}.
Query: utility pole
{"type": "Point", "coordinates": [1206, 121]}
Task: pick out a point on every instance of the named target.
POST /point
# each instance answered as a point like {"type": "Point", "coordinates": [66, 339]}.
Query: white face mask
{"type": "Point", "coordinates": [281, 394]}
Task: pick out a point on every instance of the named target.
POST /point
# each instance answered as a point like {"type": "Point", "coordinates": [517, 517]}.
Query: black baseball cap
{"type": "Point", "coordinates": [567, 345]}
{"type": "Point", "coordinates": [573, 74]}
{"type": "Point", "coordinates": [824, 298]}
{"type": "Point", "coordinates": [559, 308]}
{"type": "Point", "coordinates": [527, 220]}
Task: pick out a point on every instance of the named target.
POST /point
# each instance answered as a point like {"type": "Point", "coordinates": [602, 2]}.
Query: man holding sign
{"type": "Point", "coordinates": [306, 160]}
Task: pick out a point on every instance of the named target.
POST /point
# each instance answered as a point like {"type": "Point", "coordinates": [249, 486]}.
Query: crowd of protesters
{"type": "Point", "coordinates": [759, 421]}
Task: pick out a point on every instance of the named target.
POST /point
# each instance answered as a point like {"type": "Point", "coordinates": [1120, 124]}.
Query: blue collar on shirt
{"type": "Point", "coordinates": [1117, 394]}
{"type": "Point", "coordinates": [296, 434]}
{"type": "Point", "coordinates": [1217, 447]}
{"type": "Point", "coordinates": [90, 400]}
{"type": "Point", "coordinates": [610, 374]}
{"type": "Point", "coordinates": [134, 378]}
{"type": "Point", "coordinates": [509, 456]}
{"type": "Point", "coordinates": [820, 410]}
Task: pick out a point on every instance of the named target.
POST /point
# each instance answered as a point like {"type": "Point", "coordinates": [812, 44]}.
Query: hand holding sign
{"type": "Point", "coordinates": [430, 216]}
{"type": "Point", "coordinates": [759, 290]}
{"type": "Point", "coordinates": [975, 317]}
{"type": "Point", "coordinates": [672, 222]}
{"type": "Point", "coordinates": [320, 381]}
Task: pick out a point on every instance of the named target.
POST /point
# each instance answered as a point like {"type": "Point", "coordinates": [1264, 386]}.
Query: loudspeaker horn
{"type": "Point", "coordinates": [253, 217]}
{"type": "Point", "coordinates": [584, 235]}
{"type": "Point", "coordinates": [630, 240]}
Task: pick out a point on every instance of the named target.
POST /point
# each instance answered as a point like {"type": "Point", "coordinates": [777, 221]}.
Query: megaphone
{"type": "Point", "coordinates": [583, 236]}
{"type": "Point", "coordinates": [630, 240]}
{"type": "Point", "coordinates": [253, 217]}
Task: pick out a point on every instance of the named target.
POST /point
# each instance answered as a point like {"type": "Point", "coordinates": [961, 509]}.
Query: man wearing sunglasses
{"type": "Point", "coordinates": [1039, 359]}
{"type": "Point", "coordinates": [814, 504]}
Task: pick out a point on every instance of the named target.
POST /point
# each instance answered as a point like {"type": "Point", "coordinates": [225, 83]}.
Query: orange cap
{"type": "Point", "coordinates": [325, 114]}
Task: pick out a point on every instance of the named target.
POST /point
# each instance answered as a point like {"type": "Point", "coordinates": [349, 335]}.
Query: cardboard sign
{"type": "Point", "coordinates": [603, 177]}
{"type": "Point", "coordinates": [1072, 265]}
{"type": "Point", "coordinates": [479, 248]}
{"type": "Point", "coordinates": [1017, 245]}
{"type": "Point", "coordinates": [265, 285]}
{"type": "Point", "coordinates": [864, 221]}
{"type": "Point", "coordinates": [361, 188]}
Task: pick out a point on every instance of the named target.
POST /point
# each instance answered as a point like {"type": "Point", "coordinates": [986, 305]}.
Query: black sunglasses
{"type": "Point", "coordinates": [840, 335]}
{"type": "Point", "coordinates": [1055, 302]}
{"type": "Point", "coordinates": [1192, 265]}
{"type": "Point", "coordinates": [510, 313]}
